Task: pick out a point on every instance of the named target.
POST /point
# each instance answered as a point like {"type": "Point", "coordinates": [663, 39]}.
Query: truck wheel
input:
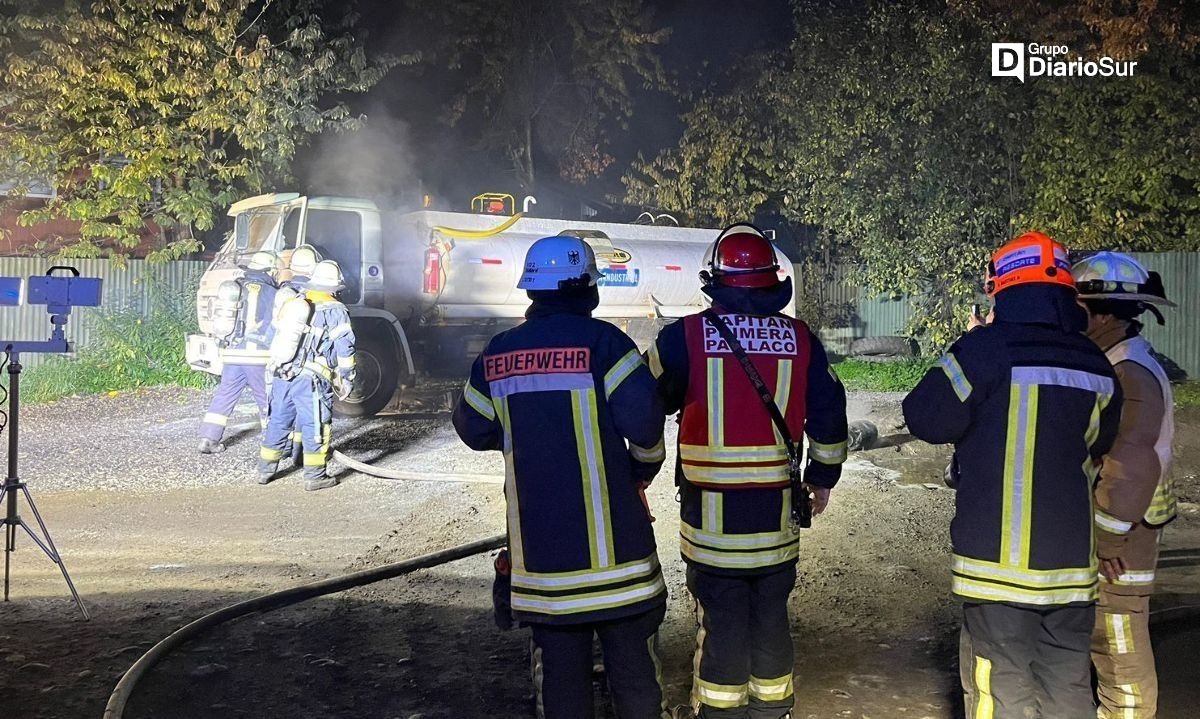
{"type": "Point", "coordinates": [375, 380]}
{"type": "Point", "coordinates": [883, 347]}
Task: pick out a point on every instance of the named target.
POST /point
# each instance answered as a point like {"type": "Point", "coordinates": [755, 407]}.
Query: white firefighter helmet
{"type": "Point", "coordinates": [326, 277]}
{"type": "Point", "coordinates": [304, 260]}
{"type": "Point", "coordinates": [1117, 276]}
{"type": "Point", "coordinates": [552, 261]}
{"type": "Point", "coordinates": [263, 261]}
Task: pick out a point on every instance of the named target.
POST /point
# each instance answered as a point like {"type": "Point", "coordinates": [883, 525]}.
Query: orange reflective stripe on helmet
{"type": "Point", "coordinates": [1031, 258]}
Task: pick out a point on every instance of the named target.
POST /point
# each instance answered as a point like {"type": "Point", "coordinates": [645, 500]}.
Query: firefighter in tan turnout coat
{"type": "Point", "coordinates": [1134, 496]}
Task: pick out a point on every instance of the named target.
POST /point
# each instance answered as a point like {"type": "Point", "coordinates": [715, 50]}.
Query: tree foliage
{"type": "Point", "coordinates": [165, 111]}
{"type": "Point", "coordinates": [883, 126]}
{"type": "Point", "coordinates": [544, 80]}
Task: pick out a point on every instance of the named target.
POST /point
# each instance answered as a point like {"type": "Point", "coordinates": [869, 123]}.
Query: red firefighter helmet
{"type": "Point", "coordinates": [742, 256]}
{"type": "Point", "coordinates": [1031, 258]}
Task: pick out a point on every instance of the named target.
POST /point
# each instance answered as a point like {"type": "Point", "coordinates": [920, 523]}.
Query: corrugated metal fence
{"type": "Point", "coordinates": [124, 287]}
{"type": "Point", "coordinates": [873, 315]}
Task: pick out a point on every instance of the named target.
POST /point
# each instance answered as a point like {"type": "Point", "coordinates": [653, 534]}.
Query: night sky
{"type": "Point", "coordinates": [708, 38]}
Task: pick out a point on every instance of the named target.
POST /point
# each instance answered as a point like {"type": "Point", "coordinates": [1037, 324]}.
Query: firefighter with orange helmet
{"type": "Point", "coordinates": [1031, 405]}
{"type": "Point", "coordinates": [738, 468]}
{"type": "Point", "coordinates": [1134, 493]}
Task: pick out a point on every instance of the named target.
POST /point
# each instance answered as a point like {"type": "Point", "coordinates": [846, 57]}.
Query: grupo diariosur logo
{"type": "Point", "coordinates": [1023, 60]}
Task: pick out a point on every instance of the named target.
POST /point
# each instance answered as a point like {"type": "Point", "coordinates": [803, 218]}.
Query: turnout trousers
{"type": "Point", "coordinates": [744, 662]}
{"type": "Point", "coordinates": [1127, 681]}
{"type": "Point", "coordinates": [305, 402]}
{"type": "Point", "coordinates": [562, 667]}
{"type": "Point", "coordinates": [1019, 662]}
{"type": "Point", "coordinates": [234, 379]}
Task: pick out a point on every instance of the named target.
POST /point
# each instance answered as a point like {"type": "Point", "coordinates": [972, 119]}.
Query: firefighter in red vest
{"type": "Point", "coordinates": [737, 473]}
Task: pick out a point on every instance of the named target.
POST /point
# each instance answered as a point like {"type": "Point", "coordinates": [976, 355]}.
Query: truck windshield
{"type": "Point", "coordinates": [257, 229]}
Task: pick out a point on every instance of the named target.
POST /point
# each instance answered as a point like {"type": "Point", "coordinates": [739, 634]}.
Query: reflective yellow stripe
{"type": "Point", "coordinates": [586, 577]}
{"type": "Point", "coordinates": [269, 455]}
{"type": "Point", "coordinates": [733, 455]}
{"type": "Point", "coordinates": [654, 361]}
{"type": "Point", "coordinates": [595, 486]}
{"type": "Point", "coordinates": [1120, 633]}
{"type": "Point", "coordinates": [712, 517]}
{"type": "Point", "coordinates": [590, 602]}
{"type": "Point", "coordinates": [214, 418]}
{"type": "Point", "coordinates": [783, 391]}
{"type": "Point", "coordinates": [740, 560]}
{"type": "Point", "coordinates": [319, 370]}
{"type": "Point", "coordinates": [731, 475]}
{"type": "Point", "coordinates": [1163, 506]}
{"type": "Point", "coordinates": [345, 362]}
{"type": "Point", "coordinates": [516, 543]}
{"type": "Point", "coordinates": [993, 592]}
{"type": "Point", "coordinates": [622, 369]}
{"type": "Point", "coordinates": [1023, 576]}
{"type": "Point", "coordinates": [1134, 579]}
{"type": "Point", "coordinates": [717, 539]}
{"type": "Point", "coordinates": [954, 373]}
{"type": "Point", "coordinates": [716, 401]}
{"type": "Point", "coordinates": [771, 690]}
{"type": "Point", "coordinates": [1018, 475]}
{"type": "Point", "coordinates": [314, 459]}
{"type": "Point", "coordinates": [835, 453]}
{"type": "Point", "coordinates": [722, 696]}
{"type": "Point", "coordinates": [657, 453]}
{"type": "Point", "coordinates": [985, 706]}
{"type": "Point", "coordinates": [478, 401]}
{"type": "Point", "coordinates": [1131, 701]}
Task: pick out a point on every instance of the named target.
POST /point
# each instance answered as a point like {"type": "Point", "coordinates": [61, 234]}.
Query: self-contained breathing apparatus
{"type": "Point", "coordinates": [301, 336]}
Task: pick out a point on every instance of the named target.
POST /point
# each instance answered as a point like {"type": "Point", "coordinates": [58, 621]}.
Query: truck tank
{"type": "Point", "coordinates": [453, 268]}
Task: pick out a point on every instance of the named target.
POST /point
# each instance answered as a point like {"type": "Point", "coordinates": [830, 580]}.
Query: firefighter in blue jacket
{"type": "Point", "coordinates": [570, 403]}
{"type": "Point", "coordinates": [1031, 406]}
{"type": "Point", "coordinates": [736, 525]}
{"type": "Point", "coordinates": [312, 357]}
{"type": "Point", "coordinates": [242, 324]}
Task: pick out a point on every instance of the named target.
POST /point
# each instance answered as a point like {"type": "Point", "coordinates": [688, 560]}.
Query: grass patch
{"type": "Point", "coordinates": [897, 376]}
{"type": "Point", "coordinates": [129, 349]}
{"type": "Point", "coordinates": [1187, 394]}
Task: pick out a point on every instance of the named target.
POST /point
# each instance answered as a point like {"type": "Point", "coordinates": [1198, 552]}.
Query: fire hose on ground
{"type": "Point", "coordinates": [115, 709]}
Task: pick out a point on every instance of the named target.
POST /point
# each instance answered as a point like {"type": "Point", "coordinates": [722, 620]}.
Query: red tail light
{"type": "Point", "coordinates": [432, 284]}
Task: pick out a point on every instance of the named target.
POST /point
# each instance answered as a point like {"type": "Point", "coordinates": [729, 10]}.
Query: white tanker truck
{"type": "Point", "coordinates": [426, 290]}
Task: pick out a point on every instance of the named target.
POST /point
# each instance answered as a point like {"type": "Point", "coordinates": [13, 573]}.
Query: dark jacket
{"type": "Point", "coordinates": [1031, 406]}
{"type": "Point", "coordinates": [561, 395]}
{"type": "Point", "coordinates": [735, 497]}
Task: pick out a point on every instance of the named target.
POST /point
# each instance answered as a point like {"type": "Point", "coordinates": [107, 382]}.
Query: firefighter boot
{"type": "Point", "coordinates": [208, 446]}
{"type": "Point", "coordinates": [266, 471]}
{"type": "Point", "coordinates": [315, 483]}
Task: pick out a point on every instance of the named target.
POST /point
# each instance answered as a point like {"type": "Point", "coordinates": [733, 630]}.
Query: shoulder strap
{"type": "Point", "coordinates": [801, 508]}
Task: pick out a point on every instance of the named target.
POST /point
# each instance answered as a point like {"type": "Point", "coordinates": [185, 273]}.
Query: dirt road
{"type": "Point", "coordinates": [155, 535]}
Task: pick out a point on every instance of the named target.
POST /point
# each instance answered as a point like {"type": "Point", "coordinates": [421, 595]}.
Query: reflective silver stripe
{"type": "Point", "coordinates": [743, 560]}
{"type": "Point", "coordinates": [733, 474]}
{"type": "Point", "coordinates": [553, 382]}
{"type": "Point", "coordinates": [783, 392]}
{"type": "Point", "coordinates": [1032, 578]}
{"type": "Point", "coordinates": [1060, 377]}
{"type": "Point", "coordinates": [1111, 524]}
{"type": "Point", "coordinates": [954, 373]}
{"type": "Point", "coordinates": [976, 589]}
{"type": "Point", "coordinates": [345, 362]}
{"type": "Point", "coordinates": [732, 455]}
{"type": "Point", "coordinates": [716, 404]}
{"type": "Point", "coordinates": [478, 401]}
{"type": "Point", "coordinates": [587, 602]}
{"type": "Point", "coordinates": [716, 540]}
{"type": "Point", "coordinates": [214, 418]}
{"type": "Point", "coordinates": [827, 453]}
{"type": "Point", "coordinates": [585, 401]}
{"type": "Point", "coordinates": [657, 453]}
{"type": "Point", "coordinates": [1016, 499]}
{"type": "Point", "coordinates": [569, 580]}
{"type": "Point", "coordinates": [622, 369]}
{"type": "Point", "coordinates": [1135, 578]}
{"type": "Point", "coordinates": [340, 329]}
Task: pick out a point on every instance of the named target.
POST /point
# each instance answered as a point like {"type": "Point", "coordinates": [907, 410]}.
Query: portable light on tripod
{"type": "Point", "coordinates": [59, 293]}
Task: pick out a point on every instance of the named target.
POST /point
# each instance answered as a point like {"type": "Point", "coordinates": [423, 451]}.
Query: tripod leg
{"type": "Point", "coordinates": [10, 535]}
{"type": "Point", "coordinates": [51, 550]}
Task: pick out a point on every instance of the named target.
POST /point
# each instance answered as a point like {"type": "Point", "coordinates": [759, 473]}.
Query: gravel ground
{"type": "Point", "coordinates": [156, 535]}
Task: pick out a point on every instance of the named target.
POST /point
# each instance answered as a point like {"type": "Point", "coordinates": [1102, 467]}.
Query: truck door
{"type": "Point", "coordinates": [337, 235]}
